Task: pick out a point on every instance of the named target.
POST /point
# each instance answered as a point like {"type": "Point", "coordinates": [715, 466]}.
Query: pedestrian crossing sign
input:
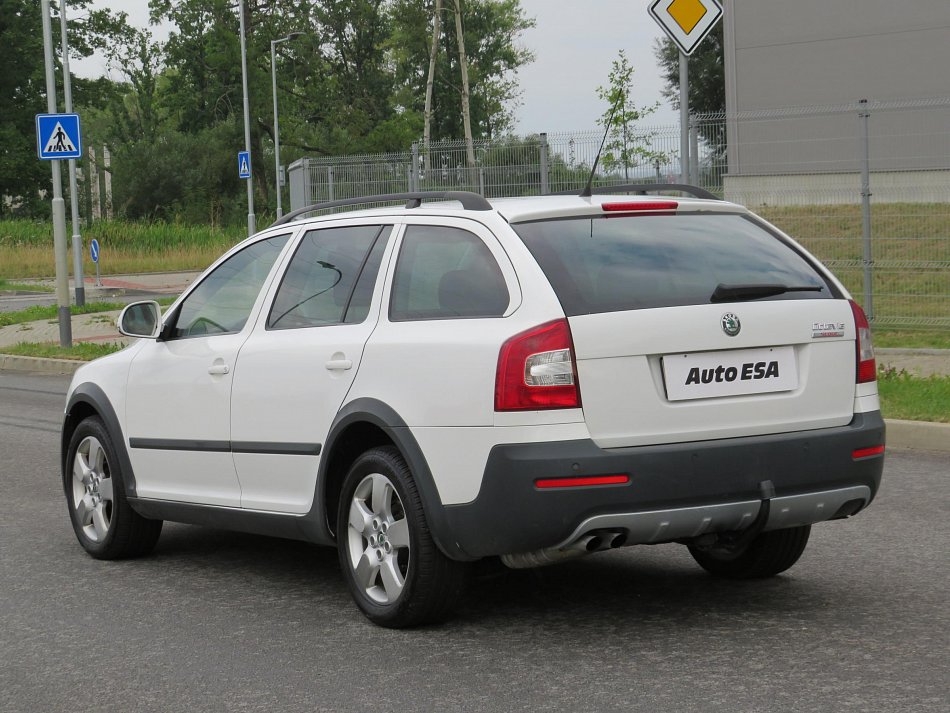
{"type": "Point", "coordinates": [244, 164]}
{"type": "Point", "coordinates": [58, 136]}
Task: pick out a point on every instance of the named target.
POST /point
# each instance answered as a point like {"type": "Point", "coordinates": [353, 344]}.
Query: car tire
{"type": "Point", "coordinates": [105, 524]}
{"type": "Point", "coordinates": [769, 554]}
{"type": "Point", "coordinates": [396, 574]}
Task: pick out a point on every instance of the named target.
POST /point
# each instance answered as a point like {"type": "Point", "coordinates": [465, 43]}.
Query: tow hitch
{"type": "Point", "coordinates": [739, 540]}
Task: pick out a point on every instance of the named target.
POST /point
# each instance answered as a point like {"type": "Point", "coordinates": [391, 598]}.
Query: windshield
{"type": "Point", "coordinates": [647, 261]}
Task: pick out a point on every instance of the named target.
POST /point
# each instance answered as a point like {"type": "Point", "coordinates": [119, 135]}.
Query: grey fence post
{"type": "Point", "coordinates": [543, 150]}
{"type": "Point", "coordinates": [864, 116]}
{"type": "Point", "coordinates": [693, 151]}
{"type": "Point", "coordinates": [481, 181]}
{"type": "Point", "coordinates": [330, 183]}
{"type": "Point", "coordinates": [414, 168]}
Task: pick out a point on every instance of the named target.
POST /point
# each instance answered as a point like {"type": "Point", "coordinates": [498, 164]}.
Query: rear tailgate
{"type": "Point", "coordinates": [697, 324]}
{"type": "Point", "coordinates": [672, 374]}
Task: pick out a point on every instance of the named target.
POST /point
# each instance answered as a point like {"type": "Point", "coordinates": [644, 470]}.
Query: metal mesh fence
{"type": "Point", "coordinates": [865, 187]}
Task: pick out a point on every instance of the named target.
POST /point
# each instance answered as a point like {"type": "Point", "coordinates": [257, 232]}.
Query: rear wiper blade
{"type": "Point", "coordinates": [728, 293]}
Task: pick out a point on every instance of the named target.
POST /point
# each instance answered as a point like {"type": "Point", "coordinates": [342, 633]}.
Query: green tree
{"type": "Point", "coordinates": [707, 83]}
{"type": "Point", "coordinates": [626, 146]}
{"type": "Point", "coordinates": [23, 89]}
{"type": "Point", "coordinates": [707, 91]}
{"type": "Point", "coordinates": [491, 31]}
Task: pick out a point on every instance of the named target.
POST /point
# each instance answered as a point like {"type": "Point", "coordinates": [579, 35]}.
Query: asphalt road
{"type": "Point", "coordinates": [216, 621]}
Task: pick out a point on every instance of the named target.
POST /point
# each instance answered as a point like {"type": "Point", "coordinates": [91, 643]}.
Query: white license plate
{"type": "Point", "coordinates": [706, 375]}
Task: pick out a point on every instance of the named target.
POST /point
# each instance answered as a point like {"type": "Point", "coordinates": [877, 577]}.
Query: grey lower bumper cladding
{"type": "Point", "coordinates": [666, 525]}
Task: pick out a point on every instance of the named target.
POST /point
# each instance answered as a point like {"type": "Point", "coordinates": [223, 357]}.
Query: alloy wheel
{"type": "Point", "coordinates": [92, 489]}
{"type": "Point", "coordinates": [378, 539]}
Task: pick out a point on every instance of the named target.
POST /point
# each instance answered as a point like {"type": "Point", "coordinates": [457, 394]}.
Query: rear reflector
{"type": "Point", "coordinates": [582, 481]}
{"type": "Point", "coordinates": [631, 206]}
{"type": "Point", "coordinates": [867, 452]}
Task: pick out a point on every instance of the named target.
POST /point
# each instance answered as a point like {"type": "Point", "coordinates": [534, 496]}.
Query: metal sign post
{"type": "Point", "coordinates": [94, 254]}
{"type": "Point", "coordinates": [686, 22]}
{"type": "Point", "coordinates": [55, 145]}
{"type": "Point", "coordinates": [73, 191]}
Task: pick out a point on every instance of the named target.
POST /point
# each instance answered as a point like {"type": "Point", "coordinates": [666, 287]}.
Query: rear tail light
{"type": "Point", "coordinates": [536, 370]}
{"type": "Point", "coordinates": [866, 367]}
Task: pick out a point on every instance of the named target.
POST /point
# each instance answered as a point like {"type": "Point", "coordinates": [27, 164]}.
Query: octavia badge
{"type": "Point", "coordinates": [730, 324]}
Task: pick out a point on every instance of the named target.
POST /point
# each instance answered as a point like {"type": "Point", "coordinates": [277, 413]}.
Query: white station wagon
{"type": "Point", "coordinates": [451, 379]}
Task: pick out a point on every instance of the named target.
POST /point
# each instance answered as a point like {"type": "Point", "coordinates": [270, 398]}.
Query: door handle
{"type": "Point", "coordinates": [218, 369]}
{"type": "Point", "coordinates": [342, 364]}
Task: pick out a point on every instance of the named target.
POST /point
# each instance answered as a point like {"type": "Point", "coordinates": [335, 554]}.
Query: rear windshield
{"type": "Point", "coordinates": [641, 262]}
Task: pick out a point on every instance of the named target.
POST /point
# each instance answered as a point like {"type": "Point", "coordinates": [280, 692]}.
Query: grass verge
{"type": "Point", "coordinates": [907, 339]}
{"type": "Point", "coordinates": [7, 286]}
{"type": "Point", "coordinates": [914, 398]}
{"type": "Point", "coordinates": [37, 312]}
{"type": "Point", "coordinates": [81, 351]}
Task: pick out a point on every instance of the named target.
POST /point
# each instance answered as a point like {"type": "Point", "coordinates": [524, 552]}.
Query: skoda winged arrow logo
{"type": "Point", "coordinates": [730, 324]}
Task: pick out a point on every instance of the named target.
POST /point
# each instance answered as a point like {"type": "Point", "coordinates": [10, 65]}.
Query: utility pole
{"type": "Point", "coordinates": [463, 61]}
{"type": "Point", "coordinates": [463, 64]}
{"type": "Point", "coordinates": [73, 192]}
{"type": "Point", "coordinates": [433, 53]}
{"type": "Point", "coordinates": [684, 118]}
{"type": "Point", "coordinates": [59, 205]}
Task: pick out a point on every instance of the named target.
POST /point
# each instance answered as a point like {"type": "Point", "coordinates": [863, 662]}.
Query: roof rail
{"type": "Point", "coordinates": [469, 201]}
{"type": "Point", "coordinates": [644, 188]}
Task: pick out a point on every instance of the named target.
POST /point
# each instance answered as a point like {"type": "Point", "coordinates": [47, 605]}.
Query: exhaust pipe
{"type": "Point", "coordinates": [596, 541]}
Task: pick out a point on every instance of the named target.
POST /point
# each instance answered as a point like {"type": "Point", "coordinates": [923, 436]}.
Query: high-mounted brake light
{"type": "Point", "coordinates": [536, 370]}
{"type": "Point", "coordinates": [631, 206]}
{"type": "Point", "coordinates": [864, 349]}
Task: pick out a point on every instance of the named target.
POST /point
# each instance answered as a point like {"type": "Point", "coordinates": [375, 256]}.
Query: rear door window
{"type": "Point", "coordinates": [642, 262]}
{"type": "Point", "coordinates": [330, 278]}
{"type": "Point", "coordinates": [446, 273]}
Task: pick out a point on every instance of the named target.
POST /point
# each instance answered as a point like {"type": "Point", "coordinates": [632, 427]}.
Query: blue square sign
{"type": "Point", "coordinates": [58, 136]}
{"type": "Point", "coordinates": [244, 164]}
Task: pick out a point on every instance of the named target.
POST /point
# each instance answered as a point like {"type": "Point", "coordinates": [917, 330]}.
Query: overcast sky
{"type": "Point", "coordinates": [574, 43]}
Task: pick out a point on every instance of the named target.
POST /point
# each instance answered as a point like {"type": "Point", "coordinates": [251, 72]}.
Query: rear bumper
{"type": "Point", "coordinates": [675, 491]}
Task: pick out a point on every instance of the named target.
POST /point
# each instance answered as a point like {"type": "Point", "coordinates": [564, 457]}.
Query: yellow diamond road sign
{"type": "Point", "coordinates": [686, 22]}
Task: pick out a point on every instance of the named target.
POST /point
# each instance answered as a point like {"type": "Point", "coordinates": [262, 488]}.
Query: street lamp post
{"type": "Point", "coordinates": [273, 71]}
{"type": "Point", "coordinates": [251, 220]}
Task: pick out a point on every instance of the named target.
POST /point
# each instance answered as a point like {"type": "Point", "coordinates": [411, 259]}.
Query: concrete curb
{"type": "Point", "coordinates": [918, 435]}
{"type": "Point", "coordinates": [915, 435]}
{"type": "Point", "coordinates": [39, 365]}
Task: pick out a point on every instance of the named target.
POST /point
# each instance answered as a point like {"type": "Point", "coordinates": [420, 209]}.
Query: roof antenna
{"type": "Point", "coordinates": [586, 193]}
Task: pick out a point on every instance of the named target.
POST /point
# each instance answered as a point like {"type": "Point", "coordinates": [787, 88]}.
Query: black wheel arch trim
{"type": "Point", "coordinates": [93, 396]}
{"type": "Point", "coordinates": [383, 416]}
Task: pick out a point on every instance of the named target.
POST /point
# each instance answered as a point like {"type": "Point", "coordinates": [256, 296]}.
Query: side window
{"type": "Point", "coordinates": [223, 300]}
{"type": "Point", "coordinates": [446, 273]}
{"type": "Point", "coordinates": [330, 278]}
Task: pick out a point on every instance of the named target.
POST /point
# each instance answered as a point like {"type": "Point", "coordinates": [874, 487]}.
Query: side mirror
{"type": "Point", "coordinates": [140, 319]}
